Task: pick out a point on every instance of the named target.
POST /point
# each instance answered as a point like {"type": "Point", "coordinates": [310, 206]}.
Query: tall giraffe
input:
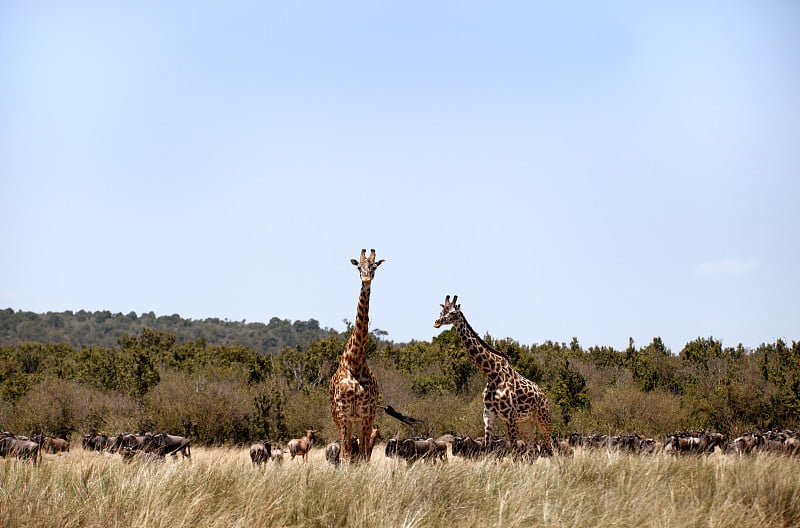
{"type": "Point", "coordinates": [353, 389]}
{"type": "Point", "coordinates": [509, 395]}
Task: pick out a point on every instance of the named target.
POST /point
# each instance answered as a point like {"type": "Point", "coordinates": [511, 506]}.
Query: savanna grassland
{"type": "Point", "coordinates": [221, 392]}
{"type": "Point", "coordinates": [220, 488]}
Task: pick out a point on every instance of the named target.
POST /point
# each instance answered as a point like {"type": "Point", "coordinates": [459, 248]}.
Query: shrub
{"type": "Point", "coordinates": [625, 408]}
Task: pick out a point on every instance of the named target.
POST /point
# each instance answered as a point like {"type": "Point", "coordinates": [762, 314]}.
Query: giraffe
{"type": "Point", "coordinates": [353, 389]}
{"type": "Point", "coordinates": [509, 395]}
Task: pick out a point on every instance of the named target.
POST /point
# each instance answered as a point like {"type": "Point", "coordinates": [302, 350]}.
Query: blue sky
{"type": "Point", "coordinates": [602, 171]}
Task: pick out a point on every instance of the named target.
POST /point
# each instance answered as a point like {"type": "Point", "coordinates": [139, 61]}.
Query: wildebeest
{"type": "Point", "coordinates": [51, 445]}
{"type": "Point", "coordinates": [114, 443]}
{"type": "Point", "coordinates": [101, 442]}
{"type": "Point", "coordinates": [710, 441]}
{"type": "Point", "coordinates": [391, 448]}
{"type": "Point", "coordinates": [413, 450]}
{"type": "Point", "coordinates": [703, 442]}
{"type": "Point", "coordinates": [56, 445]}
{"type": "Point", "coordinates": [301, 446]}
{"type": "Point", "coordinates": [467, 447]}
{"type": "Point", "coordinates": [94, 442]}
{"type": "Point", "coordinates": [628, 442]}
{"type": "Point", "coordinates": [745, 444]}
{"type": "Point", "coordinates": [260, 453]}
{"type": "Point", "coordinates": [590, 441]}
{"type": "Point", "coordinates": [24, 449]}
{"type": "Point", "coordinates": [133, 441]}
{"type": "Point", "coordinates": [792, 446]}
{"type": "Point", "coordinates": [163, 444]}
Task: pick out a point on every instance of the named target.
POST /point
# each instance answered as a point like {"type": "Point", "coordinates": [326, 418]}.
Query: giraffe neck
{"type": "Point", "coordinates": [487, 360]}
{"type": "Point", "coordinates": [354, 352]}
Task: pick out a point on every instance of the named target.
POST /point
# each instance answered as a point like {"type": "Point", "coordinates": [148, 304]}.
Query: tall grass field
{"type": "Point", "coordinates": [220, 488]}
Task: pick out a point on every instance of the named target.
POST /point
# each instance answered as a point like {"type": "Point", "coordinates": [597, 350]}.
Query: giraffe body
{"type": "Point", "coordinates": [510, 396]}
{"type": "Point", "coordinates": [353, 389]}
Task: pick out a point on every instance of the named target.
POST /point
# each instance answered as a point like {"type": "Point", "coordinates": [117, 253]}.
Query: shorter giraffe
{"type": "Point", "coordinates": [509, 395]}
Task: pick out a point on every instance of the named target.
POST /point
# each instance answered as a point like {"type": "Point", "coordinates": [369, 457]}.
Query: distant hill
{"type": "Point", "coordinates": [103, 328]}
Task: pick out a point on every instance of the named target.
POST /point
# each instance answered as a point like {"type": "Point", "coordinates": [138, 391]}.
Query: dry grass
{"type": "Point", "coordinates": [219, 488]}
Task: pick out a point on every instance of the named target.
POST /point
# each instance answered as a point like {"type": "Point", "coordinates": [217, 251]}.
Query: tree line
{"type": "Point", "coordinates": [225, 392]}
{"type": "Point", "coordinates": [104, 328]}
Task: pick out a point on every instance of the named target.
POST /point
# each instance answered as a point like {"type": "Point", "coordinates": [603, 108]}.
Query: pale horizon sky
{"type": "Point", "coordinates": [596, 170]}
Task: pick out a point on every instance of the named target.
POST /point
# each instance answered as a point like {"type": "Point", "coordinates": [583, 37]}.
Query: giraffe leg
{"type": "Point", "coordinates": [488, 428]}
{"type": "Point", "coordinates": [366, 431]}
{"type": "Point", "coordinates": [512, 431]}
{"type": "Point", "coordinates": [345, 432]}
{"type": "Point", "coordinates": [546, 428]}
{"type": "Point", "coordinates": [527, 431]}
{"type": "Point", "coordinates": [363, 440]}
{"type": "Point", "coordinates": [337, 419]}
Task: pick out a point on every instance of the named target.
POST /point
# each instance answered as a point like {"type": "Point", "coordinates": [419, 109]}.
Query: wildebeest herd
{"type": "Point", "coordinates": [145, 446]}
{"type": "Point", "coordinates": [783, 442]}
{"type": "Point", "coordinates": [153, 447]}
{"type": "Point", "coordinates": [131, 446]}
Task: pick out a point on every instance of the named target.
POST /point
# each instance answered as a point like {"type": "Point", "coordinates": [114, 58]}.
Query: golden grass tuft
{"type": "Point", "coordinates": [220, 488]}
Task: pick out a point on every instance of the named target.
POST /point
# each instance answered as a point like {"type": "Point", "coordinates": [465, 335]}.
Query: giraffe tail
{"type": "Point", "coordinates": [408, 420]}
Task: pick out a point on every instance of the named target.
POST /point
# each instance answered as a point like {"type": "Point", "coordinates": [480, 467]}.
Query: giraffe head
{"type": "Point", "coordinates": [367, 265]}
{"type": "Point", "coordinates": [450, 312]}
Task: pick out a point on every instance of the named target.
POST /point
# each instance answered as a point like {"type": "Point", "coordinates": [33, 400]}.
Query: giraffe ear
{"type": "Point", "coordinates": [354, 262]}
{"type": "Point", "coordinates": [381, 261]}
